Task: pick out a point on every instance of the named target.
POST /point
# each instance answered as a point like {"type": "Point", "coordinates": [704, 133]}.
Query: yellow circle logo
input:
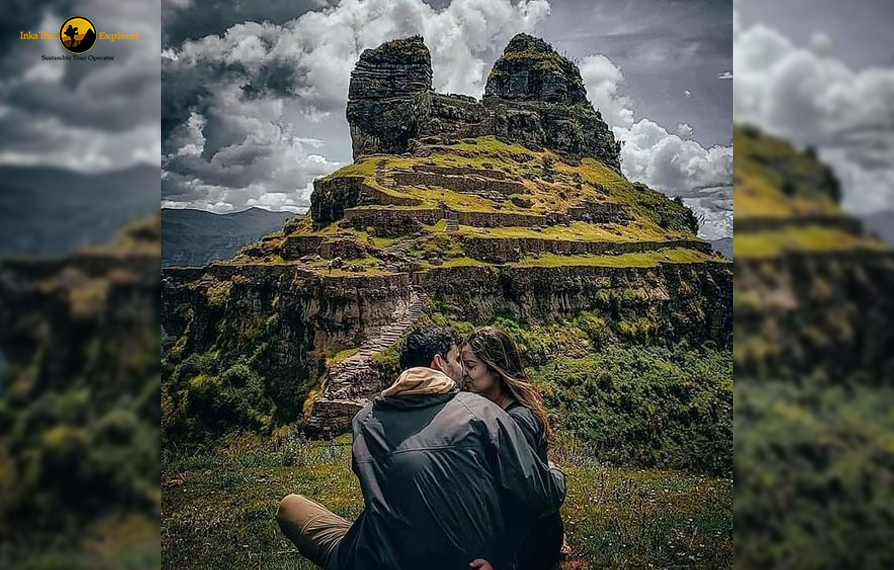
{"type": "Point", "coordinates": [77, 34]}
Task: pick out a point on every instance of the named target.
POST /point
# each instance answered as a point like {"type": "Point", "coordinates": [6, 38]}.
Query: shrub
{"type": "Point", "coordinates": [652, 407]}
{"type": "Point", "coordinates": [813, 475]}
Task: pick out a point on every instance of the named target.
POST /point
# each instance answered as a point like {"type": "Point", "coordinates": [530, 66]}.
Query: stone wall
{"type": "Point", "coordinates": [504, 250]}
{"type": "Point", "coordinates": [464, 184]}
{"type": "Point", "coordinates": [332, 196]}
{"type": "Point", "coordinates": [600, 212]}
{"type": "Point", "coordinates": [460, 171]}
{"type": "Point", "coordinates": [393, 222]}
{"type": "Point", "coordinates": [499, 219]}
{"type": "Point", "coordinates": [346, 248]}
{"type": "Point", "coordinates": [755, 224]}
{"type": "Point", "coordinates": [297, 246]}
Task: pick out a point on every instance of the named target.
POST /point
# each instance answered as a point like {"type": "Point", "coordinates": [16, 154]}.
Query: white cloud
{"type": "Point", "coordinates": [821, 43]}
{"type": "Point", "coordinates": [672, 163]}
{"type": "Point", "coordinates": [806, 95]}
{"type": "Point", "coordinates": [603, 79]}
{"type": "Point", "coordinates": [321, 48]}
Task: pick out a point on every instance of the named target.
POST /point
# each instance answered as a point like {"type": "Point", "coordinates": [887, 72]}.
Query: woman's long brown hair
{"type": "Point", "coordinates": [500, 353]}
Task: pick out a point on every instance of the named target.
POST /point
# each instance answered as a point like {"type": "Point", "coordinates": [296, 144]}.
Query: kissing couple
{"type": "Point", "coordinates": [452, 463]}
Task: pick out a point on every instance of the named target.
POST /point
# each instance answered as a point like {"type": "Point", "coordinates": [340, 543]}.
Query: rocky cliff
{"type": "Point", "coordinates": [533, 96]}
{"type": "Point", "coordinates": [809, 283]}
{"type": "Point", "coordinates": [79, 402]}
{"type": "Point", "coordinates": [440, 220]}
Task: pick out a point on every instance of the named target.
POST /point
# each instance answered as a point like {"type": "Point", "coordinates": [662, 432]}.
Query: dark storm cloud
{"type": "Point", "coordinates": [108, 97]}
{"type": "Point", "coordinates": [24, 15]}
{"type": "Point", "coordinates": [195, 19]}
{"type": "Point", "coordinates": [86, 114]}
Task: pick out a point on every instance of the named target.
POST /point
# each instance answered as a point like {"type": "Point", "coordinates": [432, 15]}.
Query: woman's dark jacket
{"type": "Point", "coordinates": [540, 550]}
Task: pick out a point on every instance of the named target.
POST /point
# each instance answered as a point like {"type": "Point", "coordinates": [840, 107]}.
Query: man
{"type": "Point", "coordinates": [439, 469]}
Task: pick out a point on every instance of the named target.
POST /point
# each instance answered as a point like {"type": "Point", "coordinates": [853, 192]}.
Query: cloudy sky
{"type": "Point", "coordinates": [821, 73]}
{"type": "Point", "coordinates": [81, 115]}
{"type": "Point", "coordinates": [253, 97]}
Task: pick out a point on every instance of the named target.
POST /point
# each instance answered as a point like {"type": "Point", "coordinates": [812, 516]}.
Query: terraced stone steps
{"type": "Point", "coordinates": [452, 222]}
{"type": "Point", "coordinates": [830, 221]}
{"type": "Point", "coordinates": [460, 171]}
{"type": "Point", "coordinates": [495, 190]}
{"type": "Point", "coordinates": [349, 381]}
{"type": "Point", "coordinates": [506, 249]}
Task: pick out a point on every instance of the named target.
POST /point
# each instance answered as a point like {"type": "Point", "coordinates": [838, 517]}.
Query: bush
{"type": "Point", "coordinates": [813, 476]}
{"type": "Point", "coordinates": [652, 407]}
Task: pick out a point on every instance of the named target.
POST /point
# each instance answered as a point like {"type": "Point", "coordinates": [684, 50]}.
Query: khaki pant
{"type": "Point", "coordinates": [313, 528]}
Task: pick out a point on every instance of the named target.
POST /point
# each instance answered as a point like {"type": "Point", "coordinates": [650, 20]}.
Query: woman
{"type": "Point", "coordinates": [493, 368]}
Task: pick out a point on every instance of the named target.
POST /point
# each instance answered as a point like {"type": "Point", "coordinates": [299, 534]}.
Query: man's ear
{"type": "Point", "coordinates": [437, 363]}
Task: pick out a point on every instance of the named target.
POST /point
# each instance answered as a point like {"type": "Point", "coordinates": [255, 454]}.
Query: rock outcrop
{"type": "Point", "coordinates": [533, 96]}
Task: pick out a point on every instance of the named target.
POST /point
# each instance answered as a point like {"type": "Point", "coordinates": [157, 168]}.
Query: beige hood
{"type": "Point", "coordinates": [419, 381]}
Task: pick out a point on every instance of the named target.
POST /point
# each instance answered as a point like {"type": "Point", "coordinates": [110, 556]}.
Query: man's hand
{"type": "Point", "coordinates": [480, 564]}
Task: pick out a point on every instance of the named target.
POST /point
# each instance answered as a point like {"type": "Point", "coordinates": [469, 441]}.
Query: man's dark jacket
{"type": "Point", "coordinates": [446, 478]}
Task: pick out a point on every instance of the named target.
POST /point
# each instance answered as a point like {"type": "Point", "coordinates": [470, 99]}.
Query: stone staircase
{"type": "Point", "coordinates": [380, 172]}
{"type": "Point", "coordinates": [351, 382]}
{"type": "Point", "coordinates": [452, 221]}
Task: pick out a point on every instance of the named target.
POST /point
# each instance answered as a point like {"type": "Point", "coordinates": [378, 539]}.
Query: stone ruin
{"type": "Point", "coordinates": [533, 96]}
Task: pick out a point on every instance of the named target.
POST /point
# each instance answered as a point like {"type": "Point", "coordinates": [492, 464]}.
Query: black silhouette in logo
{"type": "Point", "coordinates": [71, 33]}
{"type": "Point", "coordinates": [73, 44]}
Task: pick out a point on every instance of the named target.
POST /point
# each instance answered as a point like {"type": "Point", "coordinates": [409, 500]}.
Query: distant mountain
{"type": "Point", "coordinates": [197, 237]}
{"type": "Point", "coordinates": [723, 246]}
{"type": "Point", "coordinates": [882, 224]}
{"type": "Point", "coordinates": [52, 211]}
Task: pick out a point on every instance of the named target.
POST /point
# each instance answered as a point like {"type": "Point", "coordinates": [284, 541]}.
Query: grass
{"type": "Point", "coordinates": [566, 185]}
{"type": "Point", "coordinates": [755, 197]}
{"type": "Point", "coordinates": [812, 239]}
{"type": "Point", "coordinates": [774, 179]}
{"type": "Point", "coordinates": [551, 185]}
{"type": "Point", "coordinates": [643, 259]}
{"type": "Point", "coordinates": [218, 508]}
{"type": "Point", "coordinates": [579, 231]}
{"type": "Point", "coordinates": [122, 542]}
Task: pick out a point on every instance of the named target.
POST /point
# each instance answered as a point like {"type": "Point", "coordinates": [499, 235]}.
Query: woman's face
{"type": "Point", "coordinates": [478, 377]}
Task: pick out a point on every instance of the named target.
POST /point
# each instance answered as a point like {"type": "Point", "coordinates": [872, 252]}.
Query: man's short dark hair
{"type": "Point", "coordinates": [422, 345]}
